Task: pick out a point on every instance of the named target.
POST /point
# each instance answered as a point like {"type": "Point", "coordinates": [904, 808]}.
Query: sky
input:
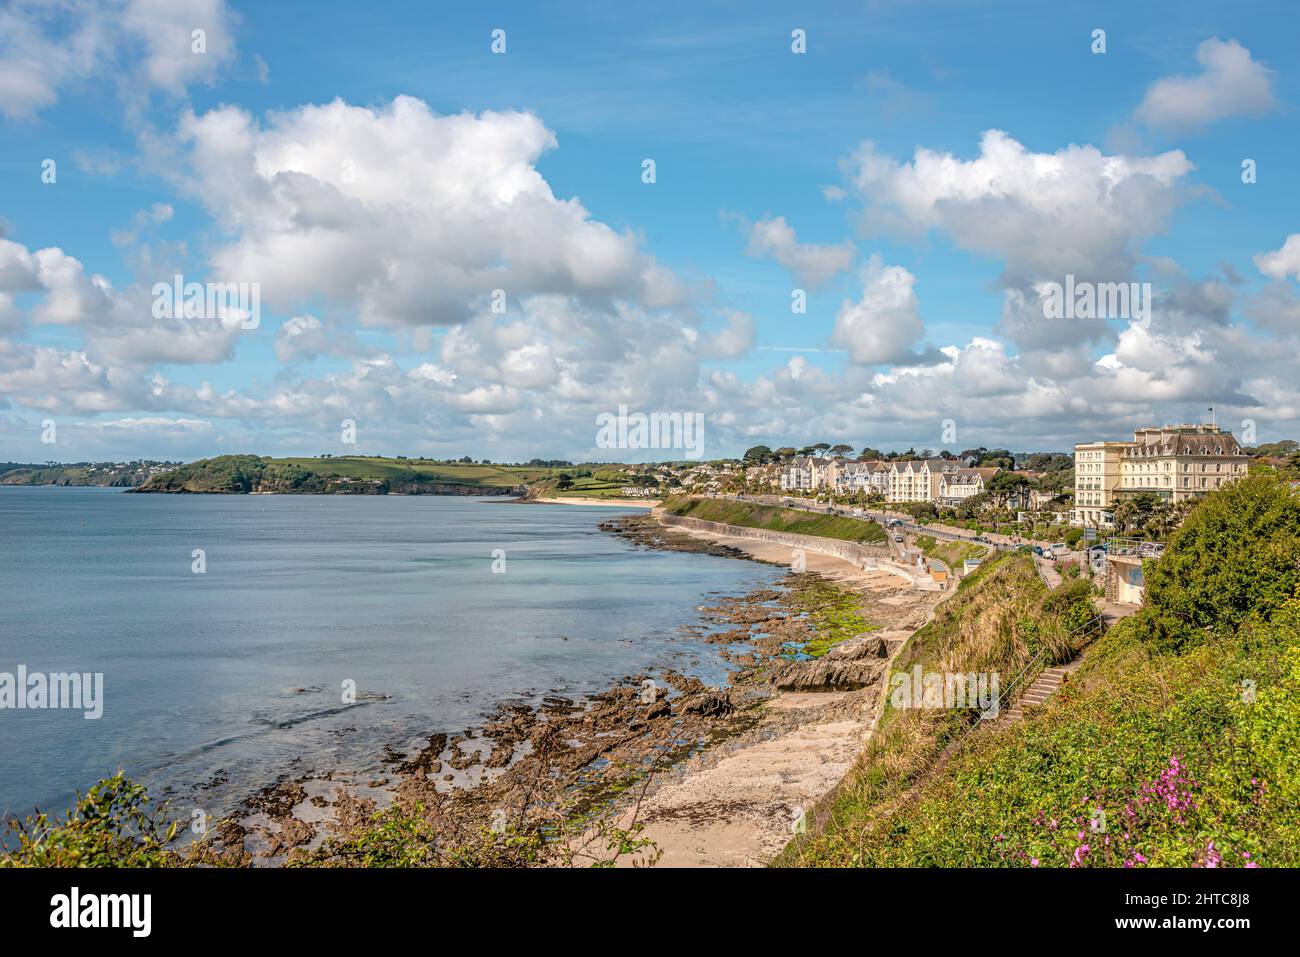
{"type": "Point", "coordinates": [474, 229]}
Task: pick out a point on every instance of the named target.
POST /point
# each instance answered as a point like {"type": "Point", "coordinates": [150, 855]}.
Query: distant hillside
{"type": "Point", "coordinates": [115, 474]}
{"type": "Point", "coordinates": [367, 475]}
{"type": "Point", "coordinates": [1175, 743]}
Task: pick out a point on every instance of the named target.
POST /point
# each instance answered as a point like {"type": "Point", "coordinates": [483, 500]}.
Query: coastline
{"type": "Point", "coordinates": [706, 776]}
{"type": "Point", "coordinates": [609, 503]}
{"type": "Point", "coordinates": [738, 804]}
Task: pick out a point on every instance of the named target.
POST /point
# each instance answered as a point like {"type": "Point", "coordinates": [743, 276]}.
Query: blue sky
{"type": "Point", "coordinates": [223, 165]}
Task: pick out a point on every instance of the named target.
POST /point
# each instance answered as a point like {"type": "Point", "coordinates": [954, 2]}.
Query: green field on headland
{"type": "Point", "coordinates": [361, 474]}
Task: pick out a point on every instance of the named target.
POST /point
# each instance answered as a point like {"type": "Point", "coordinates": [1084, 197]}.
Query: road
{"type": "Point", "coordinates": [1000, 543]}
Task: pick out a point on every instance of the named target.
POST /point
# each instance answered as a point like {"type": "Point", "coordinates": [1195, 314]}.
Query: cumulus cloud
{"type": "Point", "coordinates": [884, 324]}
{"type": "Point", "coordinates": [811, 263]}
{"type": "Point", "coordinates": [733, 340]}
{"type": "Point", "coordinates": [1076, 211]}
{"type": "Point", "coordinates": [118, 326]}
{"type": "Point", "coordinates": [147, 45]}
{"type": "Point", "coordinates": [407, 216]}
{"type": "Point", "coordinates": [306, 337]}
{"type": "Point", "coordinates": [1281, 262]}
{"type": "Point", "coordinates": [1230, 83]}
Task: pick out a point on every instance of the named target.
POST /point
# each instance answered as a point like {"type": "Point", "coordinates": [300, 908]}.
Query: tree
{"type": "Point", "coordinates": [841, 450]}
{"type": "Point", "coordinates": [1003, 486]}
{"type": "Point", "coordinates": [870, 455]}
{"type": "Point", "coordinates": [785, 452]}
{"type": "Point", "coordinates": [1001, 458]}
{"type": "Point", "coordinates": [758, 455]}
{"type": "Point", "coordinates": [1236, 557]}
{"type": "Point", "coordinates": [971, 507]}
{"type": "Point", "coordinates": [1139, 512]}
{"type": "Point", "coordinates": [565, 481]}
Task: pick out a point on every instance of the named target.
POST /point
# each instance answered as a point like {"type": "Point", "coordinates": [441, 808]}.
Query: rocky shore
{"type": "Point", "coordinates": [651, 770]}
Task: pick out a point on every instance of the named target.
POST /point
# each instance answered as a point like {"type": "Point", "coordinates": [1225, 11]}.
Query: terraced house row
{"type": "Point", "coordinates": [943, 481]}
{"type": "Point", "coordinates": [1174, 462]}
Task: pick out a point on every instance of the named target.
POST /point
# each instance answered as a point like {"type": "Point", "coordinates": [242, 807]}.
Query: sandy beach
{"type": "Point", "coordinates": [738, 804]}
{"type": "Point", "coordinates": [607, 502]}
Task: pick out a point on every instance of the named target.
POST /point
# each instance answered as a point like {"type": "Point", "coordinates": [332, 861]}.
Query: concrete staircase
{"type": "Point", "coordinates": [1044, 686]}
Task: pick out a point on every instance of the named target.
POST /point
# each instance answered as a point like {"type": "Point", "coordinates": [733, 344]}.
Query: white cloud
{"type": "Point", "coordinates": [404, 215]}
{"type": "Point", "coordinates": [1046, 214]}
{"type": "Point", "coordinates": [733, 340]}
{"type": "Point", "coordinates": [146, 45]}
{"type": "Point", "coordinates": [118, 326]}
{"type": "Point", "coordinates": [884, 324]}
{"type": "Point", "coordinates": [1230, 84]}
{"type": "Point", "coordinates": [811, 263]}
{"type": "Point", "coordinates": [1281, 262]}
{"type": "Point", "coordinates": [306, 337]}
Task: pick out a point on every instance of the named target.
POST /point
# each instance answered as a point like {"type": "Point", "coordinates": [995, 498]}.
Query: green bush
{"type": "Point", "coordinates": [1173, 747]}
{"type": "Point", "coordinates": [775, 518]}
{"type": "Point", "coordinates": [111, 826]}
{"type": "Point", "coordinates": [1237, 555]}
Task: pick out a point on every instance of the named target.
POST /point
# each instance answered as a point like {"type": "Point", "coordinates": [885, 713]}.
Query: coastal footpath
{"type": "Point", "coordinates": [738, 804]}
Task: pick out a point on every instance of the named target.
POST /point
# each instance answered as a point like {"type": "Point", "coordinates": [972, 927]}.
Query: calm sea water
{"type": "Point", "coordinates": [204, 673]}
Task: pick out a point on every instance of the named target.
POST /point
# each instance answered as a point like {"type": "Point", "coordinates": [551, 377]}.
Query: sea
{"type": "Point", "coordinates": [244, 639]}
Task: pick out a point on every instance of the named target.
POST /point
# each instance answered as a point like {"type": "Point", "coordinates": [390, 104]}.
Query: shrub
{"type": "Point", "coordinates": [1236, 555]}
{"type": "Point", "coordinates": [111, 826]}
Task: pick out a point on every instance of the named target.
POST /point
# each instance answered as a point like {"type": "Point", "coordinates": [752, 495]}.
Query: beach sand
{"type": "Point", "coordinates": [608, 502]}
{"type": "Point", "coordinates": [737, 805]}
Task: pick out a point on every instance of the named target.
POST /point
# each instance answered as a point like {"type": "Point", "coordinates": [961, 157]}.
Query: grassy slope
{"type": "Point", "coordinates": [999, 619]}
{"type": "Point", "coordinates": [368, 467]}
{"type": "Point", "coordinates": [749, 515]}
{"type": "Point", "coordinates": [950, 553]}
{"type": "Point", "coordinates": [1190, 750]}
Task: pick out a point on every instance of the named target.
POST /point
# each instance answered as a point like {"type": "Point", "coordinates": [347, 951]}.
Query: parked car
{"type": "Point", "coordinates": [898, 537]}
